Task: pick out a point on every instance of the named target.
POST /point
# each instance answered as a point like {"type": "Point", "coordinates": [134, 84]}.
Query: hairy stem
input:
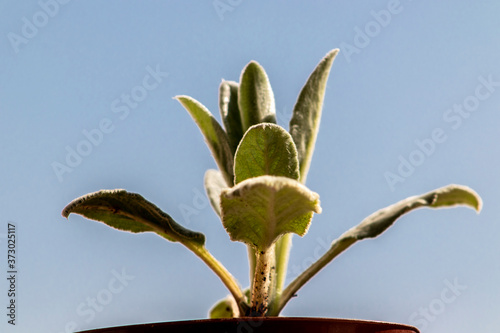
{"type": "Point", "coordinates": [251, 264]}
{"type": "Point", "coordinates": [262, 282]}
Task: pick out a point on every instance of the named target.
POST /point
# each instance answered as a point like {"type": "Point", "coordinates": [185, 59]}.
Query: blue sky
{"type": "Point", "coordinates": [414, 93]}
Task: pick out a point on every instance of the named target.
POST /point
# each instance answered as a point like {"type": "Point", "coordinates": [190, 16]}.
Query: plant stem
{"type": "Point", "coordinates": [251, 264]}
{"type": "Point", "coordinates": [338, 246]}
{"type": "Point", "coordinates": [283, 246]}
{"type": "Point", "coordinates": [262, 282]}
{"type": "Point", "coordinates": [223, 274]}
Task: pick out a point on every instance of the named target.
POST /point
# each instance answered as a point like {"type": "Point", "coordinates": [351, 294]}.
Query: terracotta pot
{"type": "Point", "coordinates": [265, 325]}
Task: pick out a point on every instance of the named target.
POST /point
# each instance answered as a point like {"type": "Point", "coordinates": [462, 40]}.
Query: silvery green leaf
{"type": "Point", "coordinates": [214, 184]}
{"type": "Point", "coordinates": [214, 135]}
{"type": "Point", "coordinates": [454, 195]}
{"type": "Point", "coordinates": [255, 97]}
{"type": "Point", "coordinates": [266, 149]}
{"type": "Point", "coordinates": [230, 112]}
{"type": "Point", "coordinates": [448, 196]}
{"type": "Point", "coordinates": [259, 210]}
{"type": "Point", "coordinates": [306, 117]}
{"type": "Point", "coordinates": [130, 212]}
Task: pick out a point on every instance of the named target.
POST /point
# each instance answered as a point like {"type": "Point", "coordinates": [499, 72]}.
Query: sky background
{"type": "Point", "coordinates": [404, 69]}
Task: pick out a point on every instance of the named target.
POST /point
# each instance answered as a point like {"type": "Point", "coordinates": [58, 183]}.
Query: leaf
{"type": "Point", "coordinates": [230, 112]}
{"type": "Point", "coordinates": [214, 183]}
{"type": "Point", "coordinates": [225, 308]}
{"type": "Point", "coordinates": [378, 222]}
{"type": "Point", "coordinates": [453, 195]}
{"type": "Point", "coordinates": [259, 210]}
{"type": "Point", "coordinates": [306, 116]}
{"type": "Point", "coordinates": [255, 97]}
{"type": "Point", "coordinates": [266, 149]}
{"type": "Point", "coordinates": [130, 212]}
{"type": "Point", "coordinates": [214, 135]}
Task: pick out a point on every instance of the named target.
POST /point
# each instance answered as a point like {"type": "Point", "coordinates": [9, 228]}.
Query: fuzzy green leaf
{"type": "Point", "coordinates": [214, 184]}
{"type": "Point", "coordinates": [266, 149]}
{"type": "Point", "coordinates": [259, 210]}
{"type": "Point", "coordinates": [255, 97]}
{"type": "Point", "coordinates": [230, 112]}
{"type": "Point", "coordinates": [130, 212]}
{"type": "Point", "coordinates": [214, 135]}
{"type": "Point", "coordinates": [306, 117]}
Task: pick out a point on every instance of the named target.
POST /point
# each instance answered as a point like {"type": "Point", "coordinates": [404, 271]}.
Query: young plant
{"type": "Point", "coordinates": [259, 191]}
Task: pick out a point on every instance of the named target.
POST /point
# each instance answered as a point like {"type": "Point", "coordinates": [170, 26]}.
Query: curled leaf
{"type": "Point", "coordinates": [453, 195]}
{"type": "Point", "coordinates": [259, 210]}
{"type": "Point", "coordinates": [214, 184]}
{"type": "Point", "coordinates": [448, 196]}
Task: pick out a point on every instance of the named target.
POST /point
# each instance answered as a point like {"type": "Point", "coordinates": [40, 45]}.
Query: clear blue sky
{"type": "Point", "coordinates": [406, 71]}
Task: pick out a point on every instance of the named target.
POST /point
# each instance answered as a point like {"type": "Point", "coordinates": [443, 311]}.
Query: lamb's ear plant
{"type": "Point", "coordinates": [259, 191]}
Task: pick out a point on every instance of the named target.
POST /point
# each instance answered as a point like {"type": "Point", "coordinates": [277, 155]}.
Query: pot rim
{"type": "Point", "coordinates": [391, 325]}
